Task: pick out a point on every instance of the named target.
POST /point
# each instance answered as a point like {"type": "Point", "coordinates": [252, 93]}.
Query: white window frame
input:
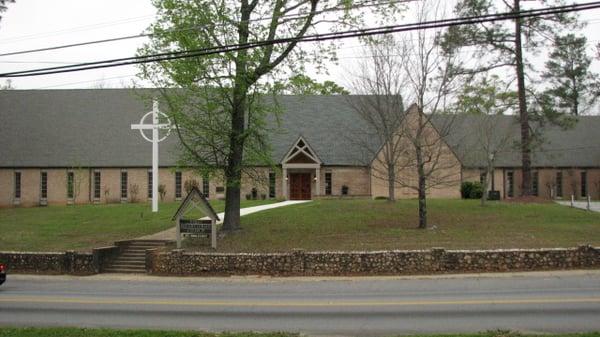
{"type": "Point", "coordinates": [94, 198]}
{"type": "Point", "coordinates": [121, 185]}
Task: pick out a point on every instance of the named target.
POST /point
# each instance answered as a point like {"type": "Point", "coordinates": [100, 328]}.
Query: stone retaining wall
{"type": "Point", "coordinates": [70, 262]}
{"type": "Point", "coordinates": [435, 261]}
{"type": "Point", "coordinates": [299, 262]}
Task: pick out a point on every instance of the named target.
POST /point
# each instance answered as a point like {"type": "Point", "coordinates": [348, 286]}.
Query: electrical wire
{"type": "Point", "coordinates": [137, 36]}
{"type": "Point", "coordinates": [307, 38]}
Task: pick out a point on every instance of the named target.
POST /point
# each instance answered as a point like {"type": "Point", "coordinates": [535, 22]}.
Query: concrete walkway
{"type": "Point", "coordinates": [170, 234]}
{"type": "Point", "coordinates": [594, 205]}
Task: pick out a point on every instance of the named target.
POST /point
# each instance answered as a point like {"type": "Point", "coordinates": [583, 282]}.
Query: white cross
{"type": "Point", "coordinates": [155, 127]}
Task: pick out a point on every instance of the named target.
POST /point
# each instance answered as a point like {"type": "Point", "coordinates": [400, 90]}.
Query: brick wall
{"type": "Point", "coordinates": [571, 181]}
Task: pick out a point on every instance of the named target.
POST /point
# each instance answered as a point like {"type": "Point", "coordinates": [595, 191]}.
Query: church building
{"type": "Point", "coordinates": [61, 147]}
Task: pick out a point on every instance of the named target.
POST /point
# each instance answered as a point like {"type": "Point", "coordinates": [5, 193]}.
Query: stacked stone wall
{"type": "Point", "coordinates": [435, 261]}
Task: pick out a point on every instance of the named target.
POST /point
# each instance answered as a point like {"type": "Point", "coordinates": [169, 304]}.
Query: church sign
{"type": "Point", "coordinates": [204, 226]}
{"type": "Point", "coordinates": [195, 227]}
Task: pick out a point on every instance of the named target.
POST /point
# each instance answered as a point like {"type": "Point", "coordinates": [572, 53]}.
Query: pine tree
{"type": "Point", "coordinates": [572, 85]}
{"type": "Point", "coordinates": [500, 45]}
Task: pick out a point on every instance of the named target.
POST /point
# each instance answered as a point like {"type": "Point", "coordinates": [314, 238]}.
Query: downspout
{"type": "Point", "coordinates": [90, 185]}
{"type": "Point", "coordinates": [503, 183]}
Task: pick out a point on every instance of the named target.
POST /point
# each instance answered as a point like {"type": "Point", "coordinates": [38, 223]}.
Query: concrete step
{"type": "Point", "coordinates": [124, 271]}
{"type": "Point", "coordinates": [128, 265]}
{"type": "Point", "coordinates": [134, 255]}
{"type": "Point", "coordinates": [122, 259]}
{"type": "Point", "coordinates": [130, 250]}
{"type": "Point", "coordinates": [136, 260]}
{"type": "Point", "coordinates": [132, 258]}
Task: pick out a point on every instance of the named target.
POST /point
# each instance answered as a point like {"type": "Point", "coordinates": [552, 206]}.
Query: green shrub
{"type": "Point", "coordinates": [465, 189]}
{"type": "Point", "coordinates": [471, 190]}
{"type": "Point", "coordinates": [476, 191]}
{"type": "Point", "coordinates": [381, 198]}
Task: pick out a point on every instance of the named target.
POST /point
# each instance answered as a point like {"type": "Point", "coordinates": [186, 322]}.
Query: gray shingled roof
{"type": "Point", "coordinates": [91, 128]}
{"type": "Point", "coordinates": [575, 147]}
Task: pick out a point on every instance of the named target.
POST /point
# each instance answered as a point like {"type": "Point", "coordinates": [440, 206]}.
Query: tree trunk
{"type": "Point", "coordinates": [487, 182]}
{"type": "Point", "coordinates": [233, 171]}
{"type": "Point", "coordinates": [422, 201]}
{"type": "Point", "coordinates": [422, 186]}
{"type": "Point", "coordinates": [391, 183]}
{"type": "Point", "coordinates": [523, 114]}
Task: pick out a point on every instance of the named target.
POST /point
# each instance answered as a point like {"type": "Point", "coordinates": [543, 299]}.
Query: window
{"type": "Point", "coordinates": [559, 183]}
{"type": "Point", "coordinates": [44, 185]}
{"type": "Point", "coordinates": [17, 185]}
{"type": "Point", "coordinates": [584, 184]}
{"type": "Point", "coordinates": [482, 177]}
{"type": "Point", "coordinates": [150, 184]}
{"type": "Point", "coordinates": [205, 186]}
{"type": "Point", "coordinates": [328, 183]}
{"type": "Point", "coordinates": [535, 184]}
{"type": "Point", "coordinates": [271, 184]}
{"type": "Point", "coordinates": [177, 185]}
{"type": "Point", "coordinates": [97, 182]}
{"type": "Point", "coordinates": [123, 185]}
{"type": "Point", "coordinates": [70, 185]}
{"type": "Point", "coordinates": [510, 181]}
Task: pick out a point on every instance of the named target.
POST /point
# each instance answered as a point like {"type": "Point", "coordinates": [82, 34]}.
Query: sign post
{"type": "Point", "coordinates": [206, 226]}
{"type": "Point", "coordinates": [155, 139]}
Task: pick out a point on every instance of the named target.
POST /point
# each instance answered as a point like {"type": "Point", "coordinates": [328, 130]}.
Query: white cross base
{"type": "Point", "coordinates": [155, 127]}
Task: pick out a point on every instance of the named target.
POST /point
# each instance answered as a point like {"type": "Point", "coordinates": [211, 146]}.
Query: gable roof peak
{"type": "Point", "coordinates": [301, 146]}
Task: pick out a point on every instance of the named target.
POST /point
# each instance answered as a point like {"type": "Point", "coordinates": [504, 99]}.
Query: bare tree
{"type": "Point", "coordinates": [379, 103]}
{"type": "Point", "coordinates": [415, 154]}
{"type": "Point", "coordinates": [483, 101]}
{"type": "Point", "coordinates": [493, 140]}
{"type": "Point", "coordinates": [430, 80]}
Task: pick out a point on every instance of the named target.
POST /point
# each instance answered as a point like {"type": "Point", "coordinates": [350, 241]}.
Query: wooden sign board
{"type": "Point", "coordinates": [204, 226]}
{"type": "Point", "coordinates": [195, 227]}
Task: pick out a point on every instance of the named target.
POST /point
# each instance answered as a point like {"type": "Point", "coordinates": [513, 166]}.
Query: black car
{"type": "Point", "coordinates": [2, 273]}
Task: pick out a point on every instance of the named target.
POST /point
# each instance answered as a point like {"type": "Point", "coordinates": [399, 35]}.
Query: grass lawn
{"type": "Point", "coordinates": [80, 332]}
{"type": "Point", "coordinates": [82, 227]}
{"type": "Point", "coordinates": [376, 225]}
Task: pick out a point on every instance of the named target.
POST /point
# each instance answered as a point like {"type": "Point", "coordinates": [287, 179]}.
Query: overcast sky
{"type": "Point", "coordinates": [30, 24]}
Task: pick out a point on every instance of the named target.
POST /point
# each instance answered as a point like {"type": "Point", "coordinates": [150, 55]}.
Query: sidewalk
{"type": "Point", "coordinates": [594, 205]}
{"type": "Point", "coordinates": [170, 234]}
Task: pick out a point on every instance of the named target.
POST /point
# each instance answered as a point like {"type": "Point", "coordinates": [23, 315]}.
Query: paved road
{"type": "Point", "coordinates": [533, 302]}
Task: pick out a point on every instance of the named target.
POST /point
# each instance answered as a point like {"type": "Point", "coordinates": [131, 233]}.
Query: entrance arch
{"type": "Point", "coordinates": [300, 165]}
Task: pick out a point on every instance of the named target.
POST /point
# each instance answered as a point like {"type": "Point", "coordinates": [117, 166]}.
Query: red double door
{"type": "Point", "coordinates": [300, 186]}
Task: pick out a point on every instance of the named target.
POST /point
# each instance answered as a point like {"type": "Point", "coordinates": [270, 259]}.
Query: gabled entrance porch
{"type": "Point", "coordinates": [301, 172]}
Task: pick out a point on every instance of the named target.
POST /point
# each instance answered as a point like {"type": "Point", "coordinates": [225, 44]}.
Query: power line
{"type": "Point", "coordinates": [307, 38]}
{"type": "Point", "coordinates": [81, 82]}
{"type": "Point", "coordinates": [368, 3]}
{"type": "Point", "coordinates": [73, 29]}
{"type": "Point", "coordinates": [80, 44]}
